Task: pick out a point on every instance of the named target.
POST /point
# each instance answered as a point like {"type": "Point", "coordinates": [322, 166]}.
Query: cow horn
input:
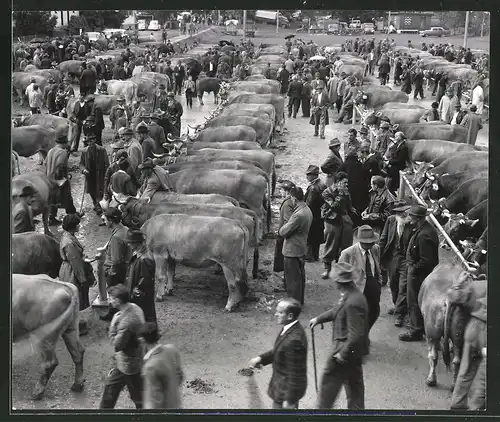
{"type": "Point", "coordinates": [431, 165]}
{"type": "Point", "coordinates": [474, 222]}
{"type": "Point", "coordinates": [158, 155]}
{"type": "Point", "coordinates": [460, 214]}
{"type": "Point", "coordinates": [463, 243]}
{"type": "Point", "coordinates": [461, 221]}
{"type": "Point", "coordinates": [445, 174]}
{"type": "Point", "coordinates": [378, 114]}
{"type": "Point", "coordinates": [419, 163]}
{"type": "Point", "coordinates": [432, 200]}
{"type": "Point", "coordinates": [484, 251]}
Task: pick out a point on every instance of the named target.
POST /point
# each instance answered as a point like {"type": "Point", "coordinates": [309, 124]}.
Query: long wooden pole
{"type": "Point", "coordinates": [466, 28]}
{"type": "Point", "coordinates": [244, 24]}
{"type": "Point", "coordinates": [277, 22]}
{"type": "Point", "coordinates": [389, 23]}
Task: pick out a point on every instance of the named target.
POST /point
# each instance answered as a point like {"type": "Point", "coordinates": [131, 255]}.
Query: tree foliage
{"type": "Point", "coordinates": [33, 23]}
{"type": "Point", "coordinates": [75, 23]}
{"type": "Point", "coordinates": [102, 19]}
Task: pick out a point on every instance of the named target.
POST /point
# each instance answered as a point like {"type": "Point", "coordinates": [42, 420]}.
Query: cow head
{"type": "Point", "coordinates": [198, 128]}
{"type": "Point", "coordinates": [371, 118]}
{"type": "Point", "coordinates": [460, 292]}
{"type": "Point", "coordinates": [422, 174]}
{"type": "Point", "coordinates": [458, 226]}
{"type": "Point", "coordinates": [361, 98]}
{"type": "Point", "coordinates": [18, 120]}
{"type": "Point", "coordinates": [430, 189]}
{"type": "Point", "coordinates": [439, 210]}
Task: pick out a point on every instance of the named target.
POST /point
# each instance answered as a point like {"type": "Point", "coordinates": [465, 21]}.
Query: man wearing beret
{"type": "Point", "coordinates": [333, 161]}
{"type": "Point", "coordinates": [422, 256]}
{"type": "Point", "coordinates": [94, 162]}
{"type": "Point", "coordinates": [57, 170]}
{"type": "Point", "coordinates": [22, 214]}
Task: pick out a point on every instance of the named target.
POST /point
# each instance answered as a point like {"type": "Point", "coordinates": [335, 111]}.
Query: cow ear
{"type": "Point", "coordinates": [462, 242]}
{"type": "Point", "coordinates": [460, 215]}
{"type": "Point", "coordinates": [474, 222]}
{"type": "Point", "coordinates": [378, 114]}
{"type": "Point", "coordinates": [431, 166]}
{"type": "Point", "coordinates": [419, 163]}
{"type": "Point", "coordinates": [461, 221]}
{"type": "Point", "coordinates": [445, 174]}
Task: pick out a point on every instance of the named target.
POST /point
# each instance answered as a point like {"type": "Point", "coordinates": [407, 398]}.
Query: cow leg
{"type": "Point", "coordinates": [237, 288]}
{"type": "Point", "coordinates": [20, 94]}
{"type": "Point", "coordinates": [42, 155]}
{"type": "Point", "coordinates": [45, 219]}
{"type": "Point", "coordinates": [160, 277]}
{"type": "Point", "coordinates": [170, 276]}
{"type": "Point", "coordinates": [455, 364]}
{"type": "Point", "coordinates": [273, 181]}
{"type": "Point", "coordinates": [48, 365]}
{"type": "Point", "coordinates": [200, 97]}
{"type": "Point", "coordinates": [431, 380]}
{"type": "Point", "coordinates": [216, 100]}
{"type": "Point", "coordinates": [75, 348]}
{"type": "Point", "coordinates": [256, 256]}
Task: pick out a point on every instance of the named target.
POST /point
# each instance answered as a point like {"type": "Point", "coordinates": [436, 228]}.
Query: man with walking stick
{"type": "Point", "coordinates": [350, 342]}
{"type": "Point", "coordinates": [288, 357]}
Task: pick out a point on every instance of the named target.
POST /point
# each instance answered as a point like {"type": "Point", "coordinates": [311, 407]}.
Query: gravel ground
{"type": "Point", "coordinates": [215, 345]}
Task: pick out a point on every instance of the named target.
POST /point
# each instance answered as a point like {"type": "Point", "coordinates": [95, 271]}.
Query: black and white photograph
{"type": "Point", "coordinates": [279, 210]}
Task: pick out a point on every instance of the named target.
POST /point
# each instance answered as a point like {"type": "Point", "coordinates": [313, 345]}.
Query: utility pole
{"type": "Point", "coordinates": [389, 23]}
{"type": "Point", "coordinates": [482, 24]}
{"type": "Point", "coordinates": [244, 24]}
{"type": "Point", "coordinates": [277, 22]}
{"type": "Point", "coordinates": [218, 17]}
{"type": "Point", "coordinates": [466, 28]}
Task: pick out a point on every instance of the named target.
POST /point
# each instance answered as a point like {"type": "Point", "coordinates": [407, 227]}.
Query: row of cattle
{"type": "Point", "coordinates": [216, 215]}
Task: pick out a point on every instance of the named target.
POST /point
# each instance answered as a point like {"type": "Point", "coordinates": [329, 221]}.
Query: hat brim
{"type": "Point", "coordinates": [401, 209]}
{"type": "Point", "coordinates": [417, 214]}
{"type": "Point", "coordinates": [372, 239]}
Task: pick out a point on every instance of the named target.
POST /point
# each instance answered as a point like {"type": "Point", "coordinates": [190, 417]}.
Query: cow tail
{"type": "Point", "coordinates": [446, 338]}
{"type": "Point", "coordinates": [244, 258]}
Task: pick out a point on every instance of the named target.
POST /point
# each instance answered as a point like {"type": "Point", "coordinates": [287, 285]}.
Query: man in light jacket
{"type": "Point", "coordinates": [472, 122]}
{"type": "Point", "coordinates": [445, 107]}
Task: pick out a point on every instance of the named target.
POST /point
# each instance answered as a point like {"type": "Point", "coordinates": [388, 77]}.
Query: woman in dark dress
{"type": "Point", "coordinates": [74, 269]}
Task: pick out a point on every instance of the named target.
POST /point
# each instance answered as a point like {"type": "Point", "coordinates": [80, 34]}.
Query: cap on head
{"type": "Point", "coordinates": [120, 99]}
{"type": "Point", "coordinates": [142, 128]}
{"type": "Point", "coordinates": [287, 185]}
{"type": "Point", "coordinates": [385, 125]}
{"type": "Point", "coordinates": [418, 210]}
{"type": "Point", "coordinates": [118, 145]}
{"type": "Point", "coordinates": [363, 130]}
{"type": "Point", "coordinates": [113, 214]}
{"type": "Point", "coordinates": [343, 273]}
{"type": "Point", "coordinates": [334, 143]}
{"type": "Point", "coordinates": [28, 191]}
{"type": "Point", "coordinates": [400, 206]}
{"type": "Point", "coordinates": [62, 139]}
{"type": "Point", "coordinates": [367, 235]}
{"type": "Point", "coordinates": [127, 132]}
{"type": "Point", "coordinates": [146, 164]}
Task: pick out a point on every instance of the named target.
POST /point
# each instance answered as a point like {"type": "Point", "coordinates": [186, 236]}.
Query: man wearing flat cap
{"type": "Point", "coordinates": [160, 101]}
{"type": "Point", "coordinates": [364, 256]}
{"type": "Point", "coordinates": [393, 250]}
{"type": "Point", "coordinates": [57, 169]}
{"type": "Point", "coordinates": [286, 211]}
{"type": "Point", "coordinates": [314, 200]}
{"type": "Point", "coordinates": [94, 162]}
{"type": "Point", "coordinates": [119, 115]}
{"type": "Point", "coordinates": [155, 179]}
{"type": "Point", "coordinates": [22, 214]}
{"type": "Point", "coordinates": [350, 342]}
{"type": "Point", "coordinates": [333, 162]}
{"type": "Point", "coordinates": [396, 159]}
{"type": "Point", "coordinates": [383, 139]}
{"type": "Point", "coordinates": [147, 143]}
{"type": "Point", "coordinates": [422, 256]}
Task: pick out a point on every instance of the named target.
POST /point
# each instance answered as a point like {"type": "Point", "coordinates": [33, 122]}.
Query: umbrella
{"type": "Point", "coordinates": [289, 36]}
{"type": "Point", "coordinates": [317, 58]}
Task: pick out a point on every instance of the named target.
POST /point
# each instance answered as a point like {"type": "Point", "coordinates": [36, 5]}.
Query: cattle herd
{"type": "Point", "coordinates": [224, 178]}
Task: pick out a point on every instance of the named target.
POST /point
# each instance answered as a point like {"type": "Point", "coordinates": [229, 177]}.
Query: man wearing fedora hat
{"type": "Point", "coordinates": [56, 169]}
{"type": "Point", "coordinates": [94, 162]}
{"type": "Point", "coordinates": [382, 139]}
{"type": "Point", "coordinates": [363, 136]}
{"type": "Point", "coordinates": [95, 120]}
{"type": "Point", "coordinates": [120, 177]}
{"type": "Point", "coordinates": [319, 111]}
{"type": "Point", "coordinates": [22, 214]}
{"type": "Point", "coordinates": [156, 132]}
{"type": "Point", "coordinates": [81, 111]}
{"type": "Point", "coordinates": [147, 143]}
{"type": "Point", "coordinates": [422, 256]}
{"type": "Point", "coordinates": [364, 256]}
{"type": "Point", "coordinates": [333, 161]}
{"type": "Point", "coordinates": [314, 201]}
{"type": "Point", "coordinates": [396, 159]}
{"type": "Point", "coordinates": [392, 249]}
{"type": "Point", "coordinates": [155, 179]}
{"type": "Point", "coordinates": [119, 116]}
{"type": "Point", "coordinates": [286, 211]}
{"type": "Point", "coordinates": [372, 164]}
{"type": "Point", "coordinates": [140, 278]}
{"type": "Point", "coordinates": [295, 233]}
{"type": "Point", "coordinates": [350, 342]}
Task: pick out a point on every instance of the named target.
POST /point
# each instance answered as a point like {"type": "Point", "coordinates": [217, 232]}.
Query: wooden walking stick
{"type": "Point", "coordinates": [314, 358]}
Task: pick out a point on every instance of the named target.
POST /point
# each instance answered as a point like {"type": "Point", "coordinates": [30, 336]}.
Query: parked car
{"type": "Point", "coordinates": [368, 28]}
{"type": "Point", "coordinates": [435, 31]}
{"type": "Point", "coordinates": [154, 26]}
{"type": "Point", "coordinates": [355, 24]}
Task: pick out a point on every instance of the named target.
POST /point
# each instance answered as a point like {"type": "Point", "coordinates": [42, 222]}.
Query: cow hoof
{"type": "Point", "coordinates": [159, 298]}
{"type": "Point", "coordinates": [77, 387]}
{"type": "Point", "coordinates": [169, 293]}
{"type": "Point", "coordinates": [431, 382]}
{"type": "Point", "coordinates": [38, 393]}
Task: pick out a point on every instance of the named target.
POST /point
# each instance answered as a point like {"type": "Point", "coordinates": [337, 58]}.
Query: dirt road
{"type": "Point", "coordinates": [215, 345]}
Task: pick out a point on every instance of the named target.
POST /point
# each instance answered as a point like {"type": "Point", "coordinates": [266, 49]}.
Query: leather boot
{"type": "Point", "coordinates": [326, 274]}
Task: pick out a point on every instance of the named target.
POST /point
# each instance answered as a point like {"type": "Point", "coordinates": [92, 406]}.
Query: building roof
{"type": "Point", "coordinates": [412, 12]}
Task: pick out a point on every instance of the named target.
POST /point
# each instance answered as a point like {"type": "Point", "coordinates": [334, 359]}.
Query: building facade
{"type": "Point", "coordinates": [64, 16]}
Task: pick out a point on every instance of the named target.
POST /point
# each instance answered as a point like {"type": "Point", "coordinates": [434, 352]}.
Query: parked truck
{"type": "Point", "coordinates": [268, 16]}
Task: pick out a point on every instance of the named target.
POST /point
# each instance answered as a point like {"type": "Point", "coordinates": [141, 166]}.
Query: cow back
{"type": "Point", "coordinates": [35, 253]}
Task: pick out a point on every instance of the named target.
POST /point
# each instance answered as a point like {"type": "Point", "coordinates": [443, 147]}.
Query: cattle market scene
{"type": "Point", "coordinates": [196, 194]}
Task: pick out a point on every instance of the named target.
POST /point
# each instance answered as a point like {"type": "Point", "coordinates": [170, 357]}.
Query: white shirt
{"type": "Point", "coordinates": [319, 98]}
{"type": "Point", "coordinates": [478, 98]}
{"type": "Point", "coordinates": [370, 258]}
{"type": "Point", "coordinates": [287, 327]}
{"type": "Point", "coordinates": [454, 119]}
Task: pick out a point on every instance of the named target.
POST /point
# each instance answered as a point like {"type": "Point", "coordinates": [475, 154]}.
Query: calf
{"type": "Point", "coordinates": [44, 310]}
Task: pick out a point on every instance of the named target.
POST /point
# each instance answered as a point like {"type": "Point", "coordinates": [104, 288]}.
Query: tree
{"type": "Point", "coordinates": [102, 19]}
{"type": "Point", "coordinates": [34, 23]}
{"type": "Point", "coordinates": [75, 23]}
{"type": "Point", "coordinates": [455, 21]}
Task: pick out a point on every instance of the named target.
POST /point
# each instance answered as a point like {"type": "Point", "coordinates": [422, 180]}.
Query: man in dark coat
{"type": "Point", "coordinates": [147, 143]}
{"type": "Point", "coordinates": [314, 201]}
{"type": "Point", "coordinates": [306, 98]}
{"type": "Point", "coordinates": [350, 95]}
{"type": "Point", "coordinates": [356, 184]}
{"type": "Point", "coordinates": [422, 256]}
{"type": "Point", "coordinates": [371, 164]}
{"type": "Point", "coordinates": [418, 80]}
{"type": "Point", "coordinates": [283, 78]}
{"type": "Point", "coordinates": [350, 343]}
{"type": "Point", "coordinates": [333, 161]}
{"type": "Point", "coordinates": [94, 162]}
{"type": "Point", "coordinates": [286, 211]}
{"type": "Point", "coordinates": [174, 112]}
{"type": "Point", "coordinates": [396, 158]}
{"type": "Point", "coordinates": [294, 94]}
{"type": "Point", "coordinates": [57, 170]}
{"type": "Point", "coordinates": [406, 80]}
{"type": "Point", "coordinates": [88, 80]}
{"type": "Point", "coordinates": [383, 70]}
{"type": "Point", "coordinates": [383, 139]}
{"type": "Point", "coordinates": [95, 119]}
{"type": "Point", "coordinates": [156, 132]}
{"type": "Point", "coordinates": [141, 274]}
{"type": "Point", "coordinates": [22, 214]}
{"type": "Point", "coordinates": [379, 207]}
{"type": "Point", "coordinates": [288, 357]}
{"type": "Point", "coordinates": [295, 233]}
